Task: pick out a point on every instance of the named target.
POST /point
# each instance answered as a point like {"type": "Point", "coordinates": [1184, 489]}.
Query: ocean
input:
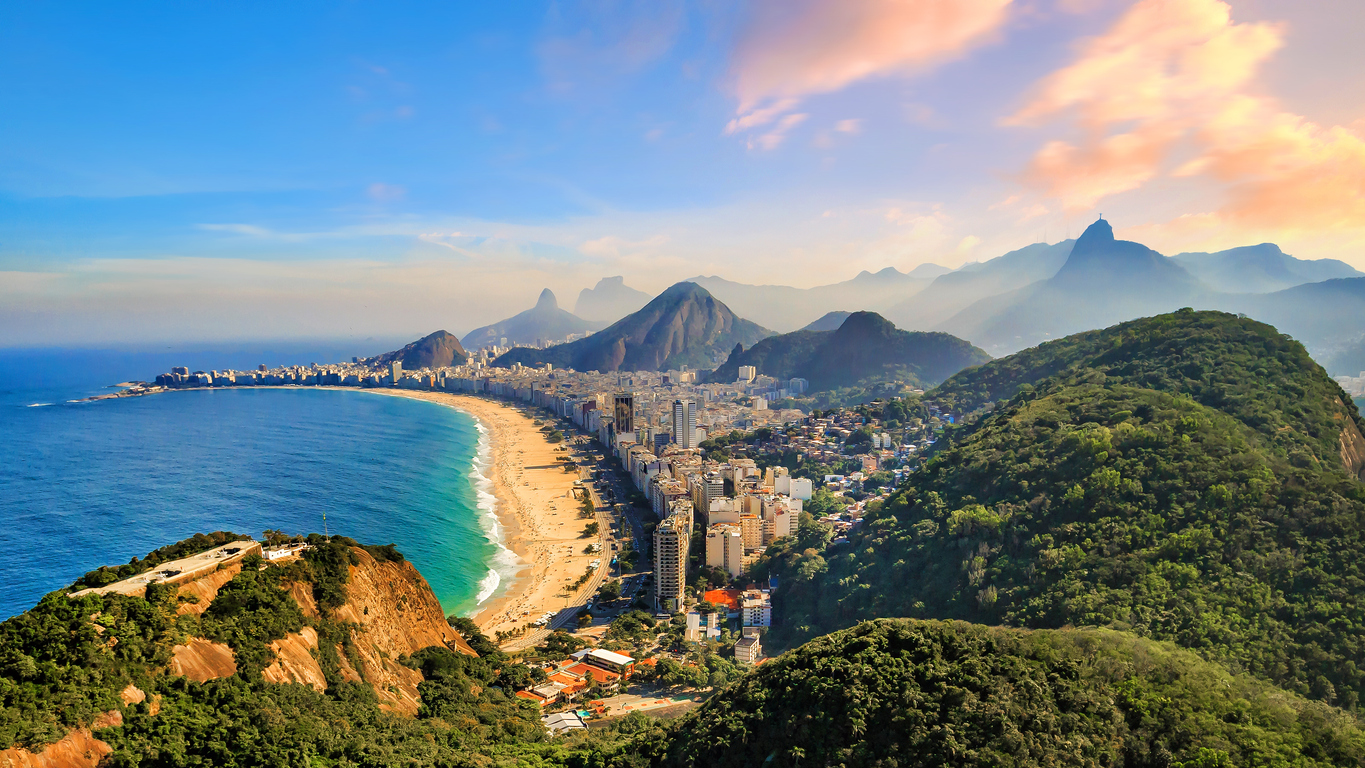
{"type": "Point", "coordinates": [98, 483]}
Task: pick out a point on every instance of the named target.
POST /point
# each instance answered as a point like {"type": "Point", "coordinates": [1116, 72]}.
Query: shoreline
{"type": "Point", "coordinates": [534, 506]}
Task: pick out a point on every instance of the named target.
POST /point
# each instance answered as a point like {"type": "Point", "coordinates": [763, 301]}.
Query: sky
{"type": "Point", "coordinates": [208, 172]}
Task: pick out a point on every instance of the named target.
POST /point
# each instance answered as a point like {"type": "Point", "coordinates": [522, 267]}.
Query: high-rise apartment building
{"type": "Point", "coordinates": [725, 548]}
{"type": "Point", "coordinates": [395, 371]}
{"type": "Point", "coordinates": [747, 373]}
{"type": "Point", "coordinates": [671, 539]}
{"type": "Point", "coordinates": [685, 424]}
{"type": "Point", "coordinates": [625, 413]}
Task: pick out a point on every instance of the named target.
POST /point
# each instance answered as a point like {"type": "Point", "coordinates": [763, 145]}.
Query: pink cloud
{"type": "Point", "coordinates": [1179, 74]}
{"type": "Point", "coordinates": [798, 48]}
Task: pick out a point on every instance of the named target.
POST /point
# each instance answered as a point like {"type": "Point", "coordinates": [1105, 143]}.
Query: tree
{"type": "Point", "coordinates": [610, 591]}
{"type": "Point", "coordinates": [591, 529]}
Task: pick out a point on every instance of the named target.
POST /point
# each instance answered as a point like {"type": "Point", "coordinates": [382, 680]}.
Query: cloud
{"type": "Point", "coordinates": [1177, 76]}
{"type": "Point", "coordinates": [849, 126]}
{"type": "Point", "coordinates": [773, 139]}
{"type": "Point", "coordinates": [386, 193]}
{"type": "Point", "coordinates": [798, 48]}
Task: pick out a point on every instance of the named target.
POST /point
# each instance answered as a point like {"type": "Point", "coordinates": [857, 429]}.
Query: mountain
{"type": "Point", "coordinates": [1191, 477]}
{"type": "Point", "coordinates": [1328, 316]}
{"type": "Point", "coordinates": [787, 308]}
{"type": "Point", "coordinates": [437, 350]}
{"type": "Point", "coordinates": [1260, 268]}
{"type": "Point", "coordinates": [828, 321]}
{"type": "Point", "coordinates": [684, 325]}
{"type": "Point", "coordinates": [929, 693]}
{"type": "Point", "coordinates": [1103, 281]}
{"type": "Point", "coordinates": [865, 346]}
{"type": "Point", "coordinates": [954, 291]}
{"type": "Point", "coordinates": [543, 322]}
{"type": "Point", "coordinates": [610, 300]}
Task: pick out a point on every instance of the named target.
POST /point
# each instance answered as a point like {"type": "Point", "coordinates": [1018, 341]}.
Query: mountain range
{"type": "Point", "coordinates": [541, 323]}
{"type": "Point", "coordinates": [864, 346]}
{"type": "Point", "coordinates": [683, 326]}
{"type": "Point", "coordinates": [611, 299]}
{"type": "Point", "coordinates": [786, 308]}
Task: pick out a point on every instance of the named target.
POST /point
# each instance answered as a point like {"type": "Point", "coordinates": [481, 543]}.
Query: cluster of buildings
{"type": "Point", "coordinates": [575, 675]}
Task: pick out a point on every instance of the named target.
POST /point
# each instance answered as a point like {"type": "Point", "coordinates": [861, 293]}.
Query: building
{"type": "Point", "coordinates": [749, 649]}
{"type": "Point", "coordinates": [671, 539]}
{"type": "Point", "coordinates": [563, 722]}
{"type": "Point", "coordinates": [619, 663]}
{"type": "Point", "coordinates": [725, 548]}
{"type": "Point", "coordinates": [395, 371]}
{"type": "Point", "coordinates": [703, 626]}
{"type": "Point", "coordinates": [751, 528]}
{"type": "Point", "coordinates": [747, 373]}
{"type": "Point", "coordinates": [685, 424]}
{"type": "Point", "coordinates": [756, 608]}
{"type": "Point", "coordinates": [625, 413]}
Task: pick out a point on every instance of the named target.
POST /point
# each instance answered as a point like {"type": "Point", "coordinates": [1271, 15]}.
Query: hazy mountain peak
{"type": "Point", "coordinates": [610, 300]}
{"type": "Point", "coordinates": [547, 300]}
{"type": "Point", "coordinates": [1096, 235]}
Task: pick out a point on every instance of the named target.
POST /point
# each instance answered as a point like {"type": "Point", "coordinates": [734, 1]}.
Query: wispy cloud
{"type": "Point", "coordinates": [798, 48]}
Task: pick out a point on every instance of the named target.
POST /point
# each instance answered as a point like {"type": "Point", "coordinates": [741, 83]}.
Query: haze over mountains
{"type": "Point", "coordinates": [865, 346]}
{"type": "Point", "coordinates": [541, 323]}
{"type": "Point", "coordinates": [1024, 297]}
{"type": "Point", "coordinates": [610, 300]}
{"type": "Point", "coordinates": [683, 326]}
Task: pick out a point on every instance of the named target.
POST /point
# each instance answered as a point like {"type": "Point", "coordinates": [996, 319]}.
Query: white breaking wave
{"type": "Point", "coordinates": [505, 561]}
{"type": "Point", "coordinates": [38, 405]}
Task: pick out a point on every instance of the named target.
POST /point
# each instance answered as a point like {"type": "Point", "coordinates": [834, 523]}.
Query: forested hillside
{"type": "Point", "coordinates": [929, 693]}
{"type": "Point", "coordinates": [1181, 477]}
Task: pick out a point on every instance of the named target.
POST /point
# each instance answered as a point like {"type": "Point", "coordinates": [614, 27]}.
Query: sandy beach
{"type": "Point", "coordinates": [536, 508]}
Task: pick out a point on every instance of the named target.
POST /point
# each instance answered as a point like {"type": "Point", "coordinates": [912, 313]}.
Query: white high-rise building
{"type": "Point", "coordinates": [725, 548]}
{"type": "Point", "coordinates": [747, 373]}
{"type": "Point", "coordinates": [685, 424]}
{"type": "Point", "coordinates": [671, 539]}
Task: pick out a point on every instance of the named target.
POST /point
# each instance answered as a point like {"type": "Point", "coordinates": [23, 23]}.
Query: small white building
{"type": "Point", "coordinates": [756, 608]}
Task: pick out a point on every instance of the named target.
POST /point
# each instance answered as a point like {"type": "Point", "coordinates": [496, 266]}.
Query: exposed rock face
{"type": "Point", "coordinates": [200, 660]}
{"type": "Point", "coordinates": [77, 749]}
{"type": "Point", "coordinates": [295, 660]}
{"type": "Point", "coordinates": [205, 589]}
{"type": "Point", "coordinates": [398, 615]}
{"type": "Point", "coordinates": [1352, 447]}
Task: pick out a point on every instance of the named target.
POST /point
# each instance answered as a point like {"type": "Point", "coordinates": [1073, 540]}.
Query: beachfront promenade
{"type": "Point", "coordinates": [567, 617]}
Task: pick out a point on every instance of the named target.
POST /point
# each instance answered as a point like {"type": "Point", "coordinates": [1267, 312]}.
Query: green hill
{"type": "Point", "coordinates": [437, 350]}
{"type": "Point", "coordinates": [864, 347]}
{"type": "Point", "coordinates": [684, 325]}
{"type": "Point", "coordinates": [1182, 477]}
{"type": "Point", "coordinates": [928, 693]}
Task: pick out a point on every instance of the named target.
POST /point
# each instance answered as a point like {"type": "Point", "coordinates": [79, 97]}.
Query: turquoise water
{"type": "Point", "coordinates": [90, 484]}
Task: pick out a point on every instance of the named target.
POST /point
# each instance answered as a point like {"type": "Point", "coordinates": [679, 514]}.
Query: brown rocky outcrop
{"type": "Point", "coordinates": [205, 589]}
{"type": "Point", "coordinates": [397, 614]}
{"type": "Point", "coordinates": [296, 660]}
{"type": "Point", "coordinates": [1352, 445]}
{"type": "Point", "coordinates": [77, 749]}
{"type": "Point", "coordinates": [200, 659]}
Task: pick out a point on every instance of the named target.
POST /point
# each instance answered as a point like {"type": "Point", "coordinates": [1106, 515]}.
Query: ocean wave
{"type": "Point", "coordinates": [38, 405]}
{"type": "Point", "coordinates": [504, 562]}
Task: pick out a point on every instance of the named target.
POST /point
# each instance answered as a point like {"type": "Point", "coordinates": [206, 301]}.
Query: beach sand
{"type": "Point", "coordinates": [536, 508]}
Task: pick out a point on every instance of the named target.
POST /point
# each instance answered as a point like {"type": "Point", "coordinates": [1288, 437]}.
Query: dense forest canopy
{"type": "Point", "coordinates": [1181, 500]}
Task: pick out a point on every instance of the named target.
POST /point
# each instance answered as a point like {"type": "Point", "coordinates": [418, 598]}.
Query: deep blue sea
{"type": "Point", "coordinates": [97, 483]}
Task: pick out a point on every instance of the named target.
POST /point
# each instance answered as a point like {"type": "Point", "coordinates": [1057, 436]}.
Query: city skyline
{"type": "Point", "coordinates": [209, 174]}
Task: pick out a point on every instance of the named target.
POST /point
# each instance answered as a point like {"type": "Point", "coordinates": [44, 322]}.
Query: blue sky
{"type": "Point", "coordinates": [205, 172]}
